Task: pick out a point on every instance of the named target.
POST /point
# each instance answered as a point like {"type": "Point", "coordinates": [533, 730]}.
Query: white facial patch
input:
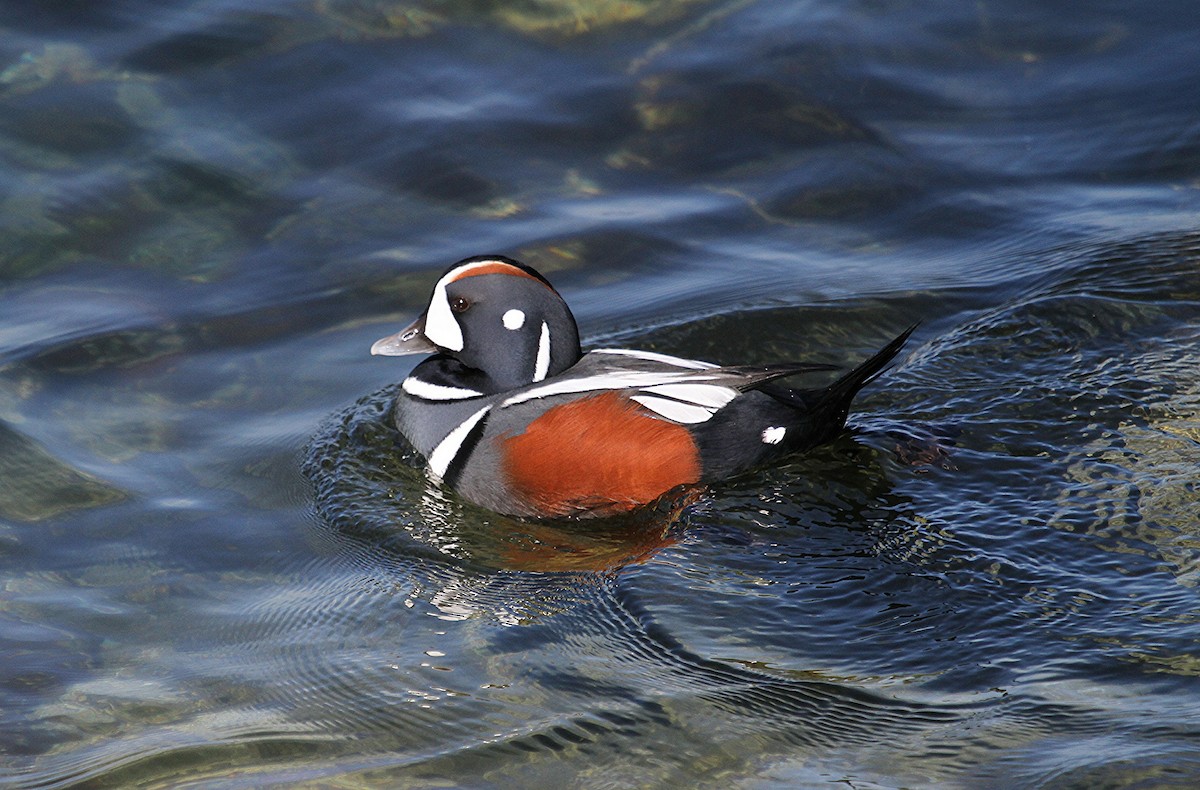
{"type": "Point", "coordinates": [542, 365]}
{"type": "Point", "coordinates": [441, 327]}
{"type": "Point", "coordinates": [513, 319]}
{"type": "Point", "coordinates": [773, 435]}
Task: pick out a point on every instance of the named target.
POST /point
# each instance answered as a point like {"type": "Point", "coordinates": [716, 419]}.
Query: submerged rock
{"type": "Point", "coordinates": [541, 18]}
{"type": "Point", "coordinates": [38, 486]}
{"type": "Point", "coordinates": [701, 124]}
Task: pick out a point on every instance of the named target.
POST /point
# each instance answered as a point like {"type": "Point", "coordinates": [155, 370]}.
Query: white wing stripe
{"type": "Point", "coordinates": [675, 410]}
{"type": "Point", "coordinates": [709, 395]}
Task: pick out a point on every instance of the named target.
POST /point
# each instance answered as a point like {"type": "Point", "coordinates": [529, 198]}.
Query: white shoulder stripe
{"type": "Point", "coordinates": [423, 389]}
{"type": "Point", "coordinates": [447, 450]}
{"type": "Point", "coordinates": [674, 410]}
{"type": "Point", "coordinates": [606, 381]}
{"type": "Point", "coordinates": [542, 366]}
{"type": "Point", "coordinates": [652, 356]}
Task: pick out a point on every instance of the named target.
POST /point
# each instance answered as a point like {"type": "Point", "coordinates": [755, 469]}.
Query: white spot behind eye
{"type": "Point", "coordinates": [773, 435]}
{"type": "Point", "coordinates": [513, 319]}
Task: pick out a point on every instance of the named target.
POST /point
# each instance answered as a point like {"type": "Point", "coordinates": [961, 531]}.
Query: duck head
{"type": "Point", "coordinates": [494, 325]}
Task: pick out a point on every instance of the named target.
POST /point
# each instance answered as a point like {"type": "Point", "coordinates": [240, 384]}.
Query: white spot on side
{"type": "Point", "coordinates": [651, 356]}
{"type": "Point", "coordinates": [542, 366]}
{"type": "Point", "coordinates": [674, 410]}
{"type": "Point", "coordinates": [423, 389]}
{"type": "Point", "coordinates": [773, 435]}
{"type": "Point", "coordinates": [711, 395]}
{"type": "Point", "coordinates": [513, 319]}
{"type": "Point", "coordinates": [446, 451]}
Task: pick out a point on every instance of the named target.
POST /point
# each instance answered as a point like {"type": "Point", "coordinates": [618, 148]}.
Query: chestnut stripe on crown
{"type": "Point", "coordinates": [490, 267]}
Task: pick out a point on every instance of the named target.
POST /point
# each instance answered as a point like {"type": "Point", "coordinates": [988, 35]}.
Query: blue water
{"type": "Point", "coordinates": [218, 567]}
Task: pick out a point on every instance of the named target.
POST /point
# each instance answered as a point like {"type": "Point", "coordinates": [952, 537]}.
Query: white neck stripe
{"type": "Point", "coordinates": [542, 366]}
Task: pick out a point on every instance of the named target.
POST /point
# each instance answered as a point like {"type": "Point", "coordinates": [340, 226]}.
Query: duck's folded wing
{"type": "Point", "coordinates": [684, 391]}
{"type": "Point", "coordinates": [698, 397]}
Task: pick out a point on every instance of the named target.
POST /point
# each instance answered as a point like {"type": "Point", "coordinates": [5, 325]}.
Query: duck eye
{"type": "Point", "coordinates": [458, 304]}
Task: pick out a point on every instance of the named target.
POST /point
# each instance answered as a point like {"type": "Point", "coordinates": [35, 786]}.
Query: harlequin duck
{"type": "Point", "coordinates": [513, 416]}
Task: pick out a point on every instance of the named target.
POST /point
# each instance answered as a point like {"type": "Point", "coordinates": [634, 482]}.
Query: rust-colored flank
{"type": "Point", "coordinates": [600, 453]}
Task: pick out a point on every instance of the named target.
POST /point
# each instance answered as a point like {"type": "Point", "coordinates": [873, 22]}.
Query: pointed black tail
{"type": "Point", "coordinates": [830, 406]}
{"type": "Point", "coordinates": [841, 392]}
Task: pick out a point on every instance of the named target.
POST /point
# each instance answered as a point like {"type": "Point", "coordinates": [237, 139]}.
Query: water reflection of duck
{"type": "Point", "coordinates": [492, 541]}
{"type": "Point", "coordinates": [510, 414]}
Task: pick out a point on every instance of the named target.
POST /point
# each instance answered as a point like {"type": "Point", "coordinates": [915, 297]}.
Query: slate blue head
{"type": "Point", "coordinates": [493, 323]}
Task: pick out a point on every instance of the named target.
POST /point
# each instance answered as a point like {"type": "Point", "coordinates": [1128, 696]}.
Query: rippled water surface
{"type": "Point", "coordinates": [219, 568]}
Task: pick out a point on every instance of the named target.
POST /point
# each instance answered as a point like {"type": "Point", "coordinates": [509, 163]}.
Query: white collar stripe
{"type": "Point", "coordinates": [423, 389]}
{"type": "Point", "coordinates": [447, 450]}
